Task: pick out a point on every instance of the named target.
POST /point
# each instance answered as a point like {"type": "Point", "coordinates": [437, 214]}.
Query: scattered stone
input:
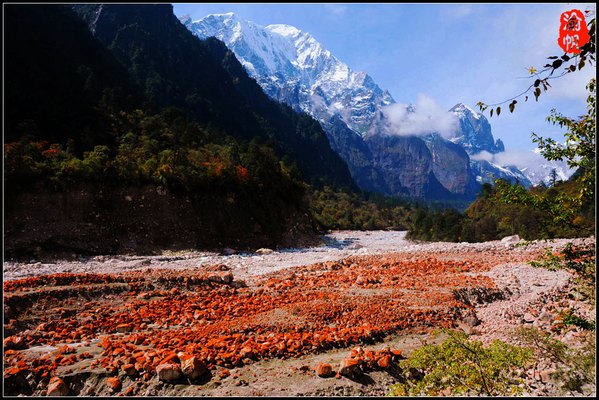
{"type": "Point", "coordinates": [192, 367]}
{"type": "Point", "coordinates": [114, 383]}
{"type": "Point", "coordinates": [224, 373]}
{"type": "Point", "coordinates": [545, 375]}
{"type": "Point", "coordinates": [324, 370]}
{"type": "Point", "coordinates": [14, 343]}
{"type": "Point", "coordinates": [264, 251]}
{"type": "Point", "coordinates": [57, 387]}
{"type": "Point", "coordinates": [168, 372]}
{"type": "Point", "coordinates": [246, 352]}
{"type": "Point", "coordinates": [124, 328]}
{"type": "Point", "coordinates": [221, 277]}
{"type": "Point", "coordinates": [528, 318]}
{"type": "Point", "coordinates": [349, 367]}
{"type": "Point", "coordinates": [129, 369]}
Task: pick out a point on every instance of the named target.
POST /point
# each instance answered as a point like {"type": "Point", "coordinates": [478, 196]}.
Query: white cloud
{"type": "Point", "coordinates": [483, 155]}
{"type": "Point", "coordinates": [532, 163]}
{"type": "Point", "coordinates": [427, 117]}
{"type": "Point", "coordinates": [336, 9]}
{"type": "Point", "coordinates": [518, 158]}
{"type": "Point", "coordinates": [456, 12]}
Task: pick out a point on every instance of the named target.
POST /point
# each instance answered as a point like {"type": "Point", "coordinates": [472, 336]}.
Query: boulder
{"type": "Point", "coordinates": [324, 370]}
{"type": "Point", "coordinates": [511, 239]}
{"type": "Point", "coordinates": [168, 372]}
{"type": "Point", "coordinates": [349, 367]}
{"type": "Point", "coordinates": [192, 367]}
{"type": "Point", "coordinates": [57, 387]}
{"type": "Point", "coordinates": [264, 251]}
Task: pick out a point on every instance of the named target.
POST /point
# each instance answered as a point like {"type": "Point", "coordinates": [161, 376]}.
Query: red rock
{"type": "Point", "coordinates": [129, 369]}
{"type": "Point", "coordinates": [324, 370]}
{"type": "Point", "coordinates": [193, 367]}
{"type": "Point", "coordinates": [12, 371]}
{"type": "Point", "coordinates": [123, 328]}
{"type": "Point", "coordinates": [117, 351]}
{"type": "Point", "coordinates": [356, 351]}
{"type": "Point", "coordinates": [349, 367]}
{"type": "Point", "coordinates": [397, 353]}
{"type": "Point", "coordinates": [57, 387]}
{"type": "Point", "coordinates": [9, 343]}
{"type": "Point", "coordinates": [114, 383]}
{"type": "Point", "coordinates": [246, 352]}
{"type": "Point", "coordinates": [224, 373]}
{"type": "Point", "coordinates": [171, 358]}
{"type": "Point", "coordinates": [168, 372]}
{"type": "Point", "coordinates": [384, 362]}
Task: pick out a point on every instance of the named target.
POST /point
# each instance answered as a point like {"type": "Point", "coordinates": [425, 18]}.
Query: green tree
{"type": "Point", "coordinates": [579, 149]}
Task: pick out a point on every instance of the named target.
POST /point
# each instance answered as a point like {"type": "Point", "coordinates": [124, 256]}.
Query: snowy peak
{"type": "Point", "coordinates": [284, 30]}
{"type": "Point", "coordinates": [462, 110]}
{"type": "Point", "coordinates": [294, 68]}
{"type": "Point", "coordinates": [474, 133]}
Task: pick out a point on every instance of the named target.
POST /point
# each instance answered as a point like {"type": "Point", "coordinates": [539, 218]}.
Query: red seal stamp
{"type": "Point", "coordinates": [573, 31]}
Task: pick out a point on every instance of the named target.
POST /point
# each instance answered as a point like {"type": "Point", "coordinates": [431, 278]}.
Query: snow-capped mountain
{"type": "Point", "coordinates": [488, 156]}
{"type": "Point", "coordinates": [540, 171]}
{"type": "Point", "coordinates": [474, 134]}
{"type": "Point", "coordinates": [294, 68]}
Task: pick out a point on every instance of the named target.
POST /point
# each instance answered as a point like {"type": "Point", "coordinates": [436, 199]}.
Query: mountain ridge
{"type": "Point", "coordinates": [284, 80]}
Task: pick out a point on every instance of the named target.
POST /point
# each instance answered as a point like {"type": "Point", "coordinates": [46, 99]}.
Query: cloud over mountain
{"type": "Point", "coordinates": [423, 118]}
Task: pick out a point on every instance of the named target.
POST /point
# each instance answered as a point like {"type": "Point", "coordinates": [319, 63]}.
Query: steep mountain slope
{"type": "Point", "coordinates": [98, 161]}
{"type": "Point", "coordinates": [292, 67]}
{"type": "Point", "coordinates": [58, 78]}
{"type": "Point", "coordinates": [202, 77]}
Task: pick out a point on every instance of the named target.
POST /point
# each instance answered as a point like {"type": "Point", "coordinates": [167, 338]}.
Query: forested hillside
{"type": "Point", "coordinates": [153, 108]}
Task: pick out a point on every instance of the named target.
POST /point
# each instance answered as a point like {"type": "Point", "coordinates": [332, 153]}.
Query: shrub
{"type": "Point", "coordinates": [576, 366]}
{"type": "Point", "coordinates": [460, 366]}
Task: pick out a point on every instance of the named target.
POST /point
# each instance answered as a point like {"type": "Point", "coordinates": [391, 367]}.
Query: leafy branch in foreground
{"type": "Point", "coordinates": [462, 366]}
{"type": "Point", "coordinates": [579, 149]}
{"type": "Point", "coordinates": [556, 68]}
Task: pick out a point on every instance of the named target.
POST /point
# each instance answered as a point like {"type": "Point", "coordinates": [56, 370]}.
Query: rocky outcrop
{"type": "Point", "coordinates": [358, 156]}
{"type": "Point", "coordinates": [451, 166]}
{"type": "Point", "coordinates": [474, 134]}
{"type": "Point", "coordinates": [408, 166]}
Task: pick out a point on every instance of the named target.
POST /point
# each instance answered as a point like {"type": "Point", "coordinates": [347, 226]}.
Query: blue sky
{"type": "Point", "coordinates": [450, 53]}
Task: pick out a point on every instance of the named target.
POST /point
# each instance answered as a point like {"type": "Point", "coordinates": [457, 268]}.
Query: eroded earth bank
{"type": "Point", "coordinates": [269, 322]}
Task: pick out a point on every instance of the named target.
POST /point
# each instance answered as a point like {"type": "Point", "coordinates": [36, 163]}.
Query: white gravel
{"type": "Point", "coordinates": [527, 285]}
{"type": "Point", "coordinates": [337, 245]}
